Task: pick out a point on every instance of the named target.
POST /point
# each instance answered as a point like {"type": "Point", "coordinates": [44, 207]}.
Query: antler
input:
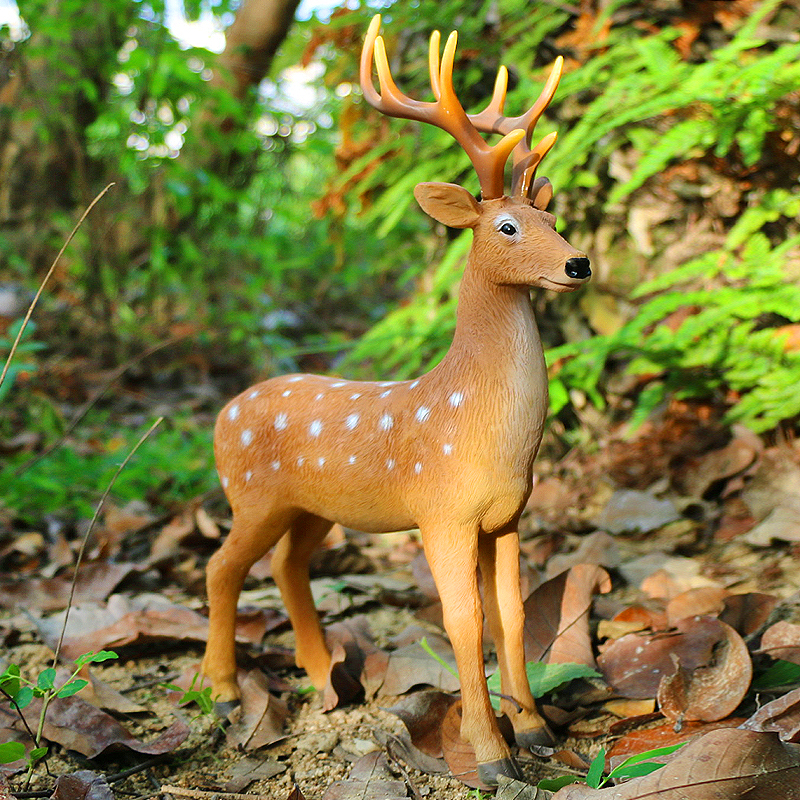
{"type": "Point", "coordinates": [445, 112]}
{"type": "Point", "coordinates": [492, 120]}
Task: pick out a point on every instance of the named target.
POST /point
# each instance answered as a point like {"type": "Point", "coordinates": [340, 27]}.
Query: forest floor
{"type": "Point", "coordinates": [685, 532]}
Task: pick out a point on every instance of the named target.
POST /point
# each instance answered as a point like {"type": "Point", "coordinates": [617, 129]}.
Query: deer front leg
{"type": "Point", "coordinates": [249, 539]}
{"type": "Point", "coordinates": [452, 554]}
{"type": "Point", "coordinates": [499, 562]}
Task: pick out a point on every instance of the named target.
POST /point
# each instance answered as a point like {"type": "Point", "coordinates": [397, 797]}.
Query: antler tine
{"type": "Point", "coordinates": [492, 120]}
{"type": "Point", "coordinates": [445, 112]}
{"type": "Point", "coordinates": [525, 169]}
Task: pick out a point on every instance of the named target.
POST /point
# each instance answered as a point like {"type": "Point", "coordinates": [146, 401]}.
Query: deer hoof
{"type": "Point", "coordinates": [535, 737]}
{"type": "Point", "coordinates": [489, 771]}
{"type": "Point", "coordinates": [223, 708]}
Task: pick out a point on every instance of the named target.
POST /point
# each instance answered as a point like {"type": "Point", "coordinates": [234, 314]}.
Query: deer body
{"type": "Point", "coordinates": [450, 452]}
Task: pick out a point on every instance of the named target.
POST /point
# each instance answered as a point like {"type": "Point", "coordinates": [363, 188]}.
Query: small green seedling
{"type": "Point", "coordinates": [201, 696]}
{"type": "Point", "coordinates": [20, 692]}
{"type": "Point", "coordinates": [633, 767]}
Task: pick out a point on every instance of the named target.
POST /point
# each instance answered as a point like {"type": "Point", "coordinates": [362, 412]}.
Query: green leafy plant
{"type": "Point", "coordinates": [200, 696]}
{"type": "Point", "coordinates": [20, 693]}
{"type": "Point", "coordinates": [27, 347]}
{"type": "Point", "coordinates": [633, 767]}
{"type": "Point", "coordinates": [544, 678]}
{"type": "Point", "coordinates": [727, 338]}
{"type": "Point", "coordinates": [779, 673]}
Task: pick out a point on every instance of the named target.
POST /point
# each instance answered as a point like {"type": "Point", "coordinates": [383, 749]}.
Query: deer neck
{"type": "Point", "coordinates": [496, 348]}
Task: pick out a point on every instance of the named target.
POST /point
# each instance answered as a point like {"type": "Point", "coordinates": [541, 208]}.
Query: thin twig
{"type": "Point", "coordinates": [200, 794]}
{"type": "Point", "coordinates": [89, 530]}
{"type": "Point", "coordinates": [44, 282]}
{"type": "Point", "coordinates": [48, 696]}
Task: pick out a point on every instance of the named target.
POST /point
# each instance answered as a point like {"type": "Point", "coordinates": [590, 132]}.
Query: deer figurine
{"type": "Point", "coordinates": [450, 452]}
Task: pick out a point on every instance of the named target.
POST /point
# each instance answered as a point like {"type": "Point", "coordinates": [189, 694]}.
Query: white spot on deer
{"type": "Point", "coordinates": [338, 384]}
{"type": "Point", "coordinates": [233, 412]}
{"type": "Point", "coordinates": [351, 460]}
{"type": "Point", "coordinates": [286, 393]}
{"type": "Point", "coordinates": [447, 449]}
{"type": "Point", "coordinates": [456, 399]}
{"type": "Point", "coordinates": [320, 396]}
{"type": "Point", "coordinates": [247, 437]}
{"type": "Point", "coordinates": [248, 475]}
{"type": "Point", "coordinates": [386, 422]}
{"type": "Point", "coordinates": [253, 394]}
{"type": "Point", "coordinates": [276, 465]}
{"type": "Point", "coordinates": [321, 461]}
{"type": "Point", "coordinates": [352, 421]}
{"type": "Point", "coordinates": [355, 396]}
{"type": "Point", "coordinates": [281, 421]}
{"type": "Point", "coordinates": [386, 383]}
{"type": "Point", "coordinates": [414, 385]}
{"type": "Point", "coordinates": [386, 393]}
{"type": "Point", "coordinates": [423, 412]}
{"type": "Point", "coordinates": [295, 378]}
{"type": "Point", "coordinates": [224, 481]}
{"type": "Point", "coordinates": [315, 428]}
{"type": "Point", "coordinates": [390, 463]}
{"type": "Point", "coordinates": [418, 467]}
{"type": "Point", "coordinates": [301, 461]}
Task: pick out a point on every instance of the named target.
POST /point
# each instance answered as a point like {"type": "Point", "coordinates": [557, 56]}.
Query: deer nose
{"type": "Point", "coordinates": [578, 268]}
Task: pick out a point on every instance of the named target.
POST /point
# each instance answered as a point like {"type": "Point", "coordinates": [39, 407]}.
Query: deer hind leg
{"type": "Point", "coordinates": [453, 559]}
{"type": "Point", "coordinates": [290, 571]}
{"type": "Point", "coordinates": [499, 562]}
{"type": "Point", "coordinates": [252, 534]}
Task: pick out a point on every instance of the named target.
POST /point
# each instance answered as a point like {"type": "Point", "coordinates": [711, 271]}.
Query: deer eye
{"type": "Point", "coordinates": [508, 229]}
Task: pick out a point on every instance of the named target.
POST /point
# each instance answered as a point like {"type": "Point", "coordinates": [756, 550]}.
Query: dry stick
{"type": "Point", "coordinates": [46, 699]}
{"type": "Point", "coordinates": [199, 794]}
{"type": "Point", "coordinates": [44, 282]}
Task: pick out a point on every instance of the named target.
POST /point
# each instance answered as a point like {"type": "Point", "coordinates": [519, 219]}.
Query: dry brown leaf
{"type": "Point", "coordinates": [747, 613]}
{"type": "Point", "coordinates": [96, 581]}
{"type": "Point", "coordinates": [557, 616]}
{"type": "Point", "coordinates": [459, 753]}
{"type": "Point", "coordinates": [258, 720]}
{"type": "Point", "coordinates": [247, 770]}
{"type": "Point", "coordinates": [422, 713]}
{"type": "Point", "coordinates": [369, 777]}
{"type": "Point", "coordinates": [635, 664]}
{"type": "Point", "coordinates": [701, 473]}
{"type": "Point", "coordinates": [634, 510]}
{"type": "Point", "coordinates": [411, 665]}
{"type": "Point", "coordinates": [624, 709]}
{"type": "Point", "coordinates": [82, 785]}
{"type": "Point", "coordinates": [77, 725]}
{"type": "Point", "coordinates": [782, 640]}
{"type": "Point", "coordinates": [702, 601]}
{"type": "Point", "coordinates": [597, 548]}
{"type": "Point", "coordinates": [713, 690]}
{"type": "Point", "coordinates": [357, 665]}
{"type": "Point", "coordinates": [781, 715]}
{"type": "Point", "coordinates": [722, 765]}
{"type": "Point", "coordinates": [640, 741]}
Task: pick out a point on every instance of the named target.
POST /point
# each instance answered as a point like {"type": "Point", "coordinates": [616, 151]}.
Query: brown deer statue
{"type": "Point", "coordinates": [450, 452]}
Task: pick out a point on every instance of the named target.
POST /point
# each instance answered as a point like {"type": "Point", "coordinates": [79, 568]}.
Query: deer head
{"type": "Point", "coordinates": [512, 231]}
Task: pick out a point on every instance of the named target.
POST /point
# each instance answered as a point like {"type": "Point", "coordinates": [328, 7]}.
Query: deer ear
{"type": "Point", "coordinates": [449, 204]}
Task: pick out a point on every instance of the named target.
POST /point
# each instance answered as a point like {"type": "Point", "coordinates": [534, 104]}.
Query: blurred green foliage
{"type": "Point", "coordinates": [281, 230]}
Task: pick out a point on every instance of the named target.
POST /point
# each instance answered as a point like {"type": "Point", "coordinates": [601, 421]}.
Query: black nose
{"type": "Point", "coordinates": [578, 268]}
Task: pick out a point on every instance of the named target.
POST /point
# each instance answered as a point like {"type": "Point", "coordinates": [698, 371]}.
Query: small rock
{"type": "Point", "coordinates": [318, 742]}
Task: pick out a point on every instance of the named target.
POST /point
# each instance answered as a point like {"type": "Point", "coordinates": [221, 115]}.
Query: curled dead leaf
{"type": "Point", "coordinates": [557, 616]}
{"type": "Point", "coordinates": [782, 640]}
{"type": "Point", "coordinates": [711, 691]}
